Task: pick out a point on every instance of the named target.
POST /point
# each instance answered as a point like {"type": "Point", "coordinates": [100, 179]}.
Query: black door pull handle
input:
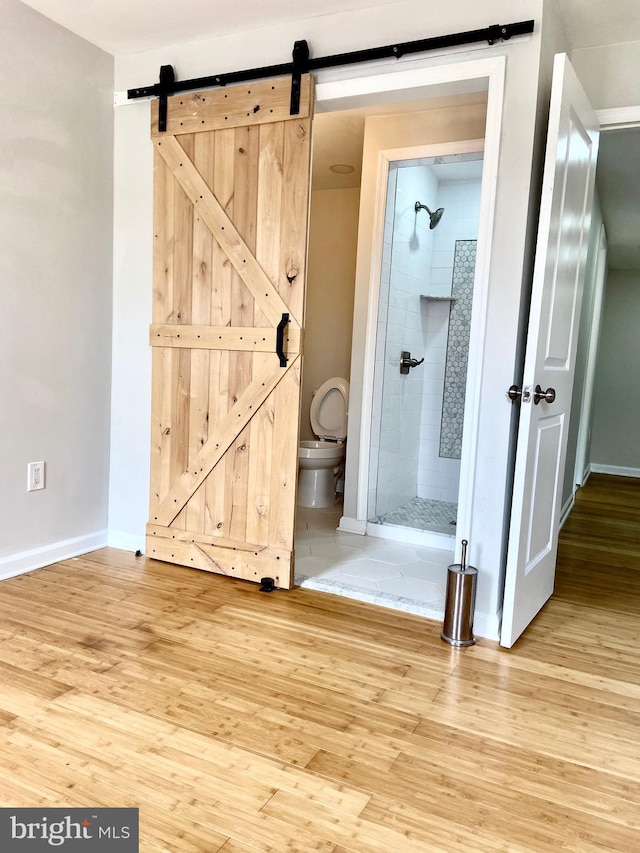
{"type": "Point", "coordinates": [282, 325]}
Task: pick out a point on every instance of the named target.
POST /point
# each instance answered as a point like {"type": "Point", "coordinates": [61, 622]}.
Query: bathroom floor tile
{"type": "Point", "coordinates": [424, 571]}
{"type": "Point", "coordinates": [329, 549]}
{"type": "Point", "coordinates": [406, 577]}
{"type": "Point", "coordinates": [313, 566]}
{"type": "Point", "coordinates": [417, 590]}
{"type": "Point", "coordinates": [373, 570]}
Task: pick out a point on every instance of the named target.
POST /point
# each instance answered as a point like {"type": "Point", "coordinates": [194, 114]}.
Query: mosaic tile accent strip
{"type": "Point", "coordinates": [423, 514]}
{"type": "Point", "coordinates": [455, 376]}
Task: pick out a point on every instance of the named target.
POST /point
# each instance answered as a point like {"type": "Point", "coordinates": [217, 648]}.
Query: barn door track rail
{"type": "Point", "coordinates": [302, 63]}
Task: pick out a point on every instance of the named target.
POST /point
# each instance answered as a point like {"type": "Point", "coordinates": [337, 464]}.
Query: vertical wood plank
{"type": "Point", "coordinates": [163, 237]}
{"type": "Point", "coordinates": [285, 461]}
{"type": "Point", "coordinates": [203, 158]}
{"type": "Point", "coordinates": [162, 311]}
{"type": "Point", "coordinates": [182, 290]}
{"type": "Point", "coordinates": [222, 277]}
{"type": "Point", "coordinates": [246, 164]}
{"type": "Point", "coordinates": [295, 215]}
{"type": "Point", "coordinates": [269, 217]}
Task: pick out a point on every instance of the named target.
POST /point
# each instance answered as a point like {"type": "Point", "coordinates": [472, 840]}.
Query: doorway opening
{"type": "Point", "coordinates": [406, 118]}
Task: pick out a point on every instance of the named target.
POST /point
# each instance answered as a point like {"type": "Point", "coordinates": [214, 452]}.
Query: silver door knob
{"type": "Point", "coordinates": [514, 392]}
{"type": "Point", "coordinates": [548, 396]}
{"type": "Point", "coordinates": [517, 393]}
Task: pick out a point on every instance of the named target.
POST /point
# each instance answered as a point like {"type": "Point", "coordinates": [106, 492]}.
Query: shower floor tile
{"type": "Point", "coordinates": [423, 514]}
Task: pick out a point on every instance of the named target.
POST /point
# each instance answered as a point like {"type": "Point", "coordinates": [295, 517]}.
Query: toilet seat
{"type": "Point", "coordinates": [329, 407]}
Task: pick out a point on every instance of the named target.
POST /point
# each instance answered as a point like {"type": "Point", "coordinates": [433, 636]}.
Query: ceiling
{"type": "Point", "coordinates": [130, 26]}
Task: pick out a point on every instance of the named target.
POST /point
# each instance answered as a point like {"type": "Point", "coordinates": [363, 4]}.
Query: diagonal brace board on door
{"type": "Point", "coordinates": [223, 230]}
{"type": "Point", "coordinates": [225, 434]}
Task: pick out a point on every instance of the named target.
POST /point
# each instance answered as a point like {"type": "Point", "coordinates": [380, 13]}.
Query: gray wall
{"type": "Point", "coordinates": [615, 437]}
{"type": "Point", "coordinates": [56, 164]}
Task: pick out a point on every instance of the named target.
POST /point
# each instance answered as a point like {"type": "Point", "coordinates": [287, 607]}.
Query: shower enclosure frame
{"type": "Point", "coordinates": [480, 293]}
{"type": "Point", "coordinates": [393, 161]}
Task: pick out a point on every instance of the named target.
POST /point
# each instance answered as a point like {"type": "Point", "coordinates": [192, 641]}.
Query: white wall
{"type": "Point", "coordinates": [610, 74]}
{"type": "Point", "coordinates": [56, 155]}
{"type": "Point", "coordinates": [615, 437]}
{"type": "Point", "coordinates": [331, 265]}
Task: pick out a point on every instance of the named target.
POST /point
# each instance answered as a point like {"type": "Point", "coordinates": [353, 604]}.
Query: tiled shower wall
{"type": "Point", "coordinates": [439, 476]}
{"type": "Point", "coordinates": [407, 252]}
{"type": "Point", "coordinates": [415, 287]}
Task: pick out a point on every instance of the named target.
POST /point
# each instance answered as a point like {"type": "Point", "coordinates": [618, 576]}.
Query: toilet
{"type": "Point", "coordinates": [322, 461]}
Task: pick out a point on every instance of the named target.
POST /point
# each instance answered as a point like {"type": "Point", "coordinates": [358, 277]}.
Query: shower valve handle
{"type": "Point", "coordinates": [407, 362]}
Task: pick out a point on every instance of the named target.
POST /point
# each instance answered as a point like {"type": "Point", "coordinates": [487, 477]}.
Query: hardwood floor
{"type": "Point", "coordinates": [294, 722]}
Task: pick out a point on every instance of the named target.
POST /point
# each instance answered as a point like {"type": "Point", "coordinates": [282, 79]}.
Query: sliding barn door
{"type": "Point", "coordinates": [231, 200]}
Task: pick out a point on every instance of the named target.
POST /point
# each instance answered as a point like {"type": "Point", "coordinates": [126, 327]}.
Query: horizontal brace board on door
{"type": "Point", "coordinates": [250, 339]}
{"type": "Point", "coordinates": [490, 34]}
{"type": "Point", "coordinates": [260, 103]}
{"type": "Point", "coordinates": [244, 565]}
{"type": "Point", "coordinates": [252, 549]}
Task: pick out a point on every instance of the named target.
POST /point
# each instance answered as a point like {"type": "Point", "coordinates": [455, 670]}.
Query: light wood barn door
{"type": "Point", "coordinates": [231, 193]}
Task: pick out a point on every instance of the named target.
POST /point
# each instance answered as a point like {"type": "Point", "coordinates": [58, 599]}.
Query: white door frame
{"type": "Point", "coordinates": [416, 82]}
{"type": "Point", "coordinates": [619, 118]}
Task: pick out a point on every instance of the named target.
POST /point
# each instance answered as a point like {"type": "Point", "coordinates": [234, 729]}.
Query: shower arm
{"type": "Point", "coordinates": [434, 215]}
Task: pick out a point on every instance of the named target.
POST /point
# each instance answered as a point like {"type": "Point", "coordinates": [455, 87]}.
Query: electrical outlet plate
{"type": "Point", "coordinates": [35, 476]}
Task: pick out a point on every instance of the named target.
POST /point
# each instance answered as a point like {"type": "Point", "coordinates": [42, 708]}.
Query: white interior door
{"type": "Point", "coordinates": [561, 250]}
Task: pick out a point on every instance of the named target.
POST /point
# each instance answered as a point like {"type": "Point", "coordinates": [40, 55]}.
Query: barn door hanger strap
{"type": "Point", "coordinates": [302, 63]}
{"type": "Point", "coordinates": [300, 67]}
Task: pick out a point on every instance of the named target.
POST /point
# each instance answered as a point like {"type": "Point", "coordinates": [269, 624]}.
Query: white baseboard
{"type": "Point", "coordinates": [36, 558]}
{"type": "Point", "coordinates": [427, 538]}
{"type": "Point", "coordinates": [566, 509]}
{"type": "Point", "coordinates": [487, 626]}
{"type": "Point", "coordinates": [126, 541]}
{"type": "Point", "coordinates": [352, 525]}
{"type": "Point", "coordinates": [615, 470]}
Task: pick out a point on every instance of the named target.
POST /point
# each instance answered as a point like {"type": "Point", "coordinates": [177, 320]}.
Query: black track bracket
{"type": "Point", "coordinates": [167, 78]}
{"type": "Point", "coordinates": [300, 66]}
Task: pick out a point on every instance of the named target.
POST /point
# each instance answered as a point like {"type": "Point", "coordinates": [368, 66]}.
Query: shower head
{"type": "Point", "coordinates": [434, 217]}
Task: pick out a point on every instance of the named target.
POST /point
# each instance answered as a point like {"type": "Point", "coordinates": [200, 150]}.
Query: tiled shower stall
{"type": "Point", "coordinates": [426, 291]}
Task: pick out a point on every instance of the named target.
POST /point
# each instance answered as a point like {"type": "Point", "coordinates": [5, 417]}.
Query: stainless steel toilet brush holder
{"type": "Point", "coordinates": [460, 602]}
